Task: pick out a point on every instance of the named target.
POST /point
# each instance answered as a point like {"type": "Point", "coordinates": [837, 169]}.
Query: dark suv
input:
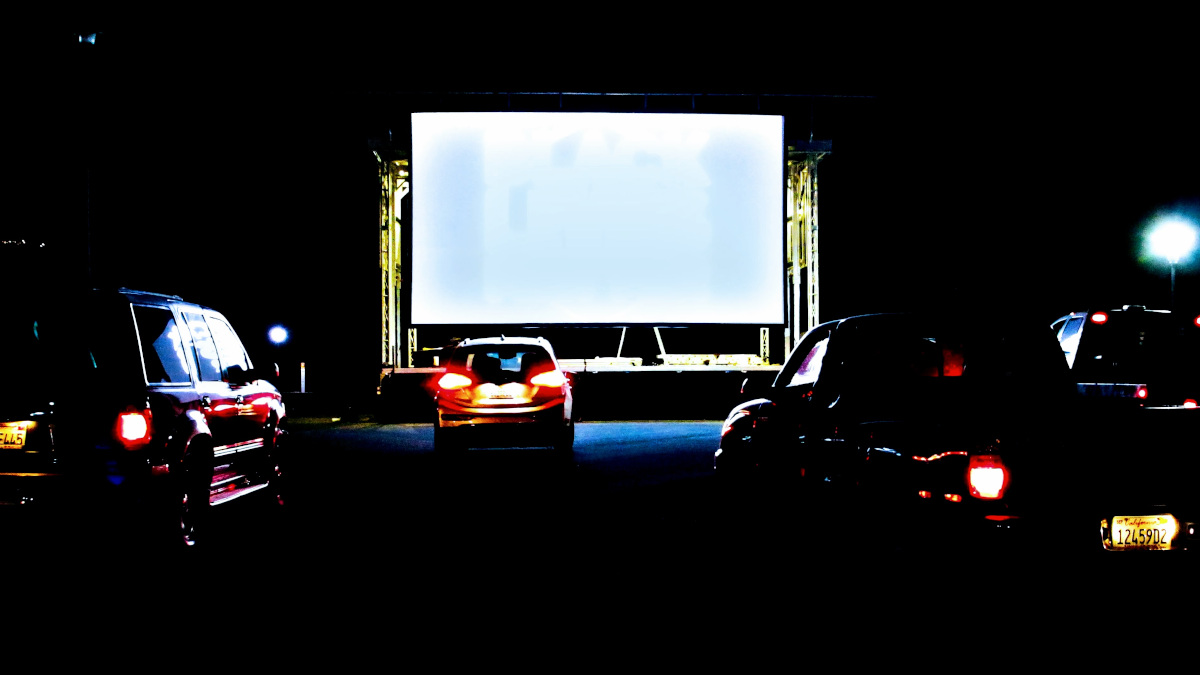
{"type": "Point", "coordinates": [1146, 356]}
{"type": "Point", "coordinates": [134, 400]}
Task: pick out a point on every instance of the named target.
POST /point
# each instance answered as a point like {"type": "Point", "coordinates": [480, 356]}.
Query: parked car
{"type": "Point", "coordinates": [130, 404]}
{"type": "Point", "coordinates": [933, 431]}
{"type": "Point", "coordinates": [1147, 355]}
{"type": "Point", "coordinates": [503, 392]}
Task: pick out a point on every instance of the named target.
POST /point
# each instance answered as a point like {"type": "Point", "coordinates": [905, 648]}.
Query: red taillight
{"type": "Point", "coordinates": [1196, 321]}
{"type": "Point", "coordinates": [1100, 317]}
{"type": "Point", "coordinates": [1142, 392]}
{"type": "Point", "coordinates": [133, 428]}
{"type": "Point", "coordinates": [451, 381]}
{"type": "Point", "coordinates": [987, 477]}
{"type": "Point", "coordinates": [1189, 403]}
{"type": "Point", "coordinates": [550, 378]}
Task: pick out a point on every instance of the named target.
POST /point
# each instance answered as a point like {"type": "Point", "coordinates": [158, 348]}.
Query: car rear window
{"type": "Point", "coordinates": [162, 346]}
{"type": "Point", "coordinates": [493, 363]}
{"type": "Point", "coordinates": [1136, 346]}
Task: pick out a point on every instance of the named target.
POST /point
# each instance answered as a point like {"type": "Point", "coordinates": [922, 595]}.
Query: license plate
{"type": "Point", "coordinates": [1144, 533]}
{"type": "Point", "coordinates": [12, 435]}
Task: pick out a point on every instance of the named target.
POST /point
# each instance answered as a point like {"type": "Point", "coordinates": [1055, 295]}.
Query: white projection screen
{"type": "Point", "coordinates": [597, 218]}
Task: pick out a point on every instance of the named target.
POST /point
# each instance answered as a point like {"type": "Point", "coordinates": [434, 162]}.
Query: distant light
{"type": "Point", "coordinates": [1173, 239]}
{"type": "Point", "coordinates": [278, 334]}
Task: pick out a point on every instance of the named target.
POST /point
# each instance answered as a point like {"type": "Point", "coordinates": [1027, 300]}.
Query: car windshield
{"type": "Point", "coordinates": [499, 363]}
{"type": "Point", "coordinates": [1138, 347]}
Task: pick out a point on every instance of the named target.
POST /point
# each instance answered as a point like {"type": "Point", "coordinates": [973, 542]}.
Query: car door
{"type": "Point", "coordinates": [252, 397]}
{"type": "Point", "coordinates": [793, 422]}
{"type": "Point", "coordinates": [217, 400]}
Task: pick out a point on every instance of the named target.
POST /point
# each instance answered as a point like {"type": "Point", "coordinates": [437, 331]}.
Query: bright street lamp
{"type": "Point", "coordinates": [1172, 238]}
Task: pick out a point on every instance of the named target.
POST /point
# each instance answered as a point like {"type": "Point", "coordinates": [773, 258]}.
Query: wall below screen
{"type": "Point", "coordinates": [658, 394]}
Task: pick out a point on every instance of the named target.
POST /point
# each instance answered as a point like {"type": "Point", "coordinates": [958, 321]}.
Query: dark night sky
{"type": "Point", "coordinates": [230, 166]}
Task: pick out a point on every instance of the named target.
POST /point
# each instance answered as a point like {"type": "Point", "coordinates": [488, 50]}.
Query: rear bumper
{"type": "Point", "coordinates": [507, 429]}
{"type": "Point", "coordinates": [39, 484]}
{"type": "Point", "coordinates": [552, 415]}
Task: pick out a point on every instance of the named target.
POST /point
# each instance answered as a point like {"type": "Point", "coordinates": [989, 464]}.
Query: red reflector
{"type": "Point", "coordinates": [987, 477]}
{"type": "Point", "coordinates": [1189, 403]}
{"type": "Point", "coordinates": [953, 498]}
{"type": "Point", "coordinates": [924, 494]}
{"type": "Point", "coordinates": [1099, 317]}
{"type": "Point", "coordinates": [1142, 392]}
{"type": "Point", "coordinates": [454, 381]}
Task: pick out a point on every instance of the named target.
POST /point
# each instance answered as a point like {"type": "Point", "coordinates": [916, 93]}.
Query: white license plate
{"type": "Point", "coordinates": [12, 435]}
{"type": "Point", "coordinates": [1143, 533]}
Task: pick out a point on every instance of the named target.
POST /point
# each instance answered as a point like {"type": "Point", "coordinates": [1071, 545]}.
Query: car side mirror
{"type": "Point", "coordinates": [239, 375]}
{"type": "Point", "coordinates": [753, 389]}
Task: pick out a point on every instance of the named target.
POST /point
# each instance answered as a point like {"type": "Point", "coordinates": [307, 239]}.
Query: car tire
{"type": "Point", "coordinates": [564, 445]}
{"type": "Point", "coordinates": [275, 469]}
{"type": "Point", "coordinates": [191, 505]}
{"type": "Point", "coordinates": [445, 441]}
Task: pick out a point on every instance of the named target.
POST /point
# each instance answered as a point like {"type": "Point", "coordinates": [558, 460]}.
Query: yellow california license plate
{"type": "Point", "coordinates": [1146, 533]}
{"type": "Point", "coordinates": [12, 435]}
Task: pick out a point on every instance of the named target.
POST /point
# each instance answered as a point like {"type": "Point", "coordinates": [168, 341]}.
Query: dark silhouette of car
{"type": "Point", "coordinates": [935, 431]}
{"type": "Point", "coordinates": [503, 392]}
{"type": "Point", "coordinates": [1147, 356]}
{"type": "Point", "coordinates": [135, 405]}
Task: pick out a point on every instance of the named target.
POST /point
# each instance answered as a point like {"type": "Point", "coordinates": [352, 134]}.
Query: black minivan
{"type": "Point", "coordinates": [136, 399]}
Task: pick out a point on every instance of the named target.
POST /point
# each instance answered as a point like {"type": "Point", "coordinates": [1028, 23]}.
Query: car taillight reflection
{"type": "Point", "coordinates": [987, 477]}
{"type": "Point", "coordinates": [550, 378]}
{"type": "Point", "coordinates": [133, 428]}
{"type": "Point", "coordinates": [451, 381]}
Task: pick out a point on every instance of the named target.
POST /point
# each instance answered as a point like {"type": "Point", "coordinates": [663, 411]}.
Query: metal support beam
{"type": "Point", "coordinates": [802, 250]}
{"type": "Point", "coordinates": [393, 183]}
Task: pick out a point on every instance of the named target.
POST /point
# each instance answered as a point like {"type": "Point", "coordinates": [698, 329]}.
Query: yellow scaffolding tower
{"type": "Point", "coordinates": [802, 259]}
{"type": "Point", "coordinates": [394, 185]}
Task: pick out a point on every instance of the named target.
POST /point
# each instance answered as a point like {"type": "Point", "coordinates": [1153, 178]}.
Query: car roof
{"type": "Point", "coordinates": [150, 296]}
{"type": "Point", "coordinates": [504, 340]}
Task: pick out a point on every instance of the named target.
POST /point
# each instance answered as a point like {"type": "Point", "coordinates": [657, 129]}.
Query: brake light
{"type": "Point", "coordinates": [451, 381]}
{"type": "Point", "coordinates": [1142, 392]}
{"type": "Point", "coordinates": [1100, 317]}
{"type": "Point", "coordinates": [133, 428]}
{"type": "Point", "coordinates": [1189, 403]}
{"type": "Point", "coordinates": [550, 378]}
{"type": "Point", "coordinates": [987, 477]}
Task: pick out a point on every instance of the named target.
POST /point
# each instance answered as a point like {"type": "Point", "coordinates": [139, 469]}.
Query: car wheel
{"type": "Point", "coordinates": [275, 469]}
{"type": "Point", "coordinates": [444, 440]}
{"type": "Point", "coordinates": [191, 501]}
{"type": "Point", "coordinates": [564, 444]}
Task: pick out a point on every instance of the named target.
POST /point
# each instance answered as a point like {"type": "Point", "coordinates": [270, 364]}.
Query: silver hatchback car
{"type": "Point", "coordinates": [503, 392]}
